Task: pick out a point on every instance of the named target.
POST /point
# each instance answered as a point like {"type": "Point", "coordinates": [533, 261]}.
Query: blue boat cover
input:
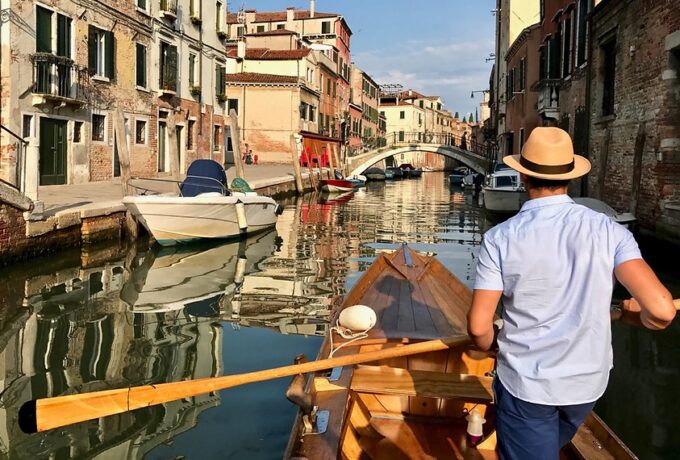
{"type": "Point", "coordinates": [204, 176]}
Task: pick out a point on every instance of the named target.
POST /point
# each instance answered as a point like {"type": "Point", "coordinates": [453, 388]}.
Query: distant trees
{"type": "Point", "coordinates": [456, 116]}
{"type": "Point", "coordinates": [471, 119]}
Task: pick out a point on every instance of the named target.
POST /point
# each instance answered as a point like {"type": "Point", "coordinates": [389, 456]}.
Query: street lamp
{"type": "Point", "coordinates": [472, 94]}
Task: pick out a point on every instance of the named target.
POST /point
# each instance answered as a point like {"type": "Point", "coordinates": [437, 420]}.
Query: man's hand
{"type": "Point", "coordinates": [653, 303]}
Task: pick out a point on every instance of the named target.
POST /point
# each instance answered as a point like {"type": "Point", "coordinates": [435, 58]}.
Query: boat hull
{"type": "Point", "coordinates": [503, 201]}
{"type": "Point", "coordinates": [174, 220]}
{"type": "Point", "coordinates": [336, 185]}
{"type": "Point", "coordinates": [455, 179]}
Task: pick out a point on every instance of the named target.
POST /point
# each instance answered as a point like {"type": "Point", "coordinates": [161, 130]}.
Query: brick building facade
{"type": "Point", "coordinates": [635, 110]}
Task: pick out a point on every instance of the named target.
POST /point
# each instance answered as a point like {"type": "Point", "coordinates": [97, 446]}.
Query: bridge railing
{"type": "Point", "coordinates": [401, 138]}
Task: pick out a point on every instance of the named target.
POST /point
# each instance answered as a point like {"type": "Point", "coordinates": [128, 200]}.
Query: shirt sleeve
{"type": "Point", "coordinates": [626, 246]}
{"type": "Point", "coordinates": [488, 267]}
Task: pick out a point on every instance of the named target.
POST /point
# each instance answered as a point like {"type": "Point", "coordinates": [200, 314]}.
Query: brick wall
{"type": "Point", "coordinates": [647, 93]}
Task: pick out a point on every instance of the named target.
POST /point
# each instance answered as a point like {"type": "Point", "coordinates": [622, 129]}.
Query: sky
{"type": "Point", "coordinates": [436, 47]}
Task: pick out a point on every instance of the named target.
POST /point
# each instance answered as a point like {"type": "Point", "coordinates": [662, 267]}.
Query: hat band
{"type": "Point", "coordinates": [546, 169]}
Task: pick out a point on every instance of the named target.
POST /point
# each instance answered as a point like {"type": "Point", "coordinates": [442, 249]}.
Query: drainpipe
{"type": "Point", "coordinates": [589, 60]}
{"type": "Point", "coordinates": [200, 70]}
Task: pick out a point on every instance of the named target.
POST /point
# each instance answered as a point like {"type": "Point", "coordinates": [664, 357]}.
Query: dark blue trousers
{"type": "Point", "coordinates": [528, 431]}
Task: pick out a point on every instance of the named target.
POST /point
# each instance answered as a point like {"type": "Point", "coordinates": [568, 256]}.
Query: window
{"type": "Point", "coordinates": [101, 57]}
{"type": "Point", "coordinates": [142, 5]}
{"type": "Point", "coordinates": [422, 104]}
{"type": "Point", "coordinates": [582, 32]}
{"type": "Point", "coordinates": [216, 137]}
{"type": "Point", "coordinates": [328, 86]}
{"type": "Point", "coordinates": [240, 31]}
{"type": "Point", "coordinates": [141, 66]}
{"type": "Point", "coordinates": [609, 77]}
{"type": "Point", "coordinates": [521, 139]}
{"type": "Point", "coordinates": [78, 132]}
{"type": "Point", "coordinates": [522, 74]}
{"type": "Point", "coordinates": [542, 62]}
{"type": "Point", "coordinates": [140, 132]}
{"type": "Point", "coordinates": [168, 67]}
{"type": "Point", "coordinates": [553, 62]}
{"type": "Point", "coordinates": [192, 69]}
{"type": "Point", "coordinates": [280, 26]}
{"type": "Point", "coordinates": [312, 111]}
{"type": "Point", "coordinates": [232, 104]}
{"type": "Point", "coordinates": [334, 89]}
{"type": "Point", "coordinates": [98, 127]}
{"type": "Point", "coordinates": [402, 115]}
{"type": "Point", "coordinates": [44, 27]}
{"type": "Point", "coordinates": [27, 126]}
{"type": "Point", "coordinates": [401, 136]}
{"type": "Point", "coordinates": [190, 134]}
{"type": "Point", "coordinates": [218, 16]}
{"type": "Point", "coordinates": [220, 81]}
{"type": "Point", "coordinates": [326, 27]}
{"type": "Point", "coordinates": [260, 29]}
{"type": "Point", "coordinates": [193, 11]}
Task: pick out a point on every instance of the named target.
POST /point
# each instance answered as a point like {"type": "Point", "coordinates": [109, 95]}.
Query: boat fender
{"type": "Point", "coordinates": [279, 210]}
{"type": "Point", "coordinates": [241, 216]}
{"type": "Point", "coordinates": [474, 427]}
{"type": "Point", "coordinates": [357, 318]}
{"type": "Point", "coordinates": [240, 271]}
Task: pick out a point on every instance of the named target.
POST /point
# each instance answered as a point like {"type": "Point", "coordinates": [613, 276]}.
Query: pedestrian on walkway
{"type": "Point", "coordinates": [552, 265]}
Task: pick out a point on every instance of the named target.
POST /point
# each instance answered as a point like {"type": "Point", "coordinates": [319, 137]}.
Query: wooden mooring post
{"type": "Point", "coordinates": [295, 144]}
{"type": "Point", "coordinates": [236, 143]}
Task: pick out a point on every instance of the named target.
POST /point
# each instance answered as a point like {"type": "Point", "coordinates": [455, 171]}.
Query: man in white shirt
{"type": "Point", "coordinates": [553, 265]}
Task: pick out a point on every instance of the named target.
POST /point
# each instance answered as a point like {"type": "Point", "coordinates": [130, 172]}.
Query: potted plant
{"type": "Point", "coordinates": [196, 20]}
{"type": "Point", "coordinates": [196, 90]}
{"type": "Point", "coordinates": [221, 34]}
{"type": "Point", "coordinates": [222, 97]}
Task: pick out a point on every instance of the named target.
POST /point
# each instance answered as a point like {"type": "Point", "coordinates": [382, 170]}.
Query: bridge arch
{"type": "Point", "coordinates": [474, 161]}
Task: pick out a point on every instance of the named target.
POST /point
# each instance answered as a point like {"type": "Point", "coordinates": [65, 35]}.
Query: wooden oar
{"type": "Point", "coordinates": [45, 414]}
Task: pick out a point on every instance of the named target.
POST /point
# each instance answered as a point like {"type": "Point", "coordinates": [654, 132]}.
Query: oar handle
{"type": "Point", "coordinates": [45, 414]}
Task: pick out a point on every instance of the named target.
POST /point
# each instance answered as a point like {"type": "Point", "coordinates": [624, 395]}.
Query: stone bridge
{"type": "Point", "coordinates": [360, 163]}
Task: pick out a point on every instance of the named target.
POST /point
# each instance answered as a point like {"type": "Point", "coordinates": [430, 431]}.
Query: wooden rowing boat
{"type": "Point", "coordinates": [412, 407]}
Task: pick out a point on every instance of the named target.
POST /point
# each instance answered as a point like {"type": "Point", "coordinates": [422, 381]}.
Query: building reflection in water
{"type": "Point", "coordinates": [120, 316]}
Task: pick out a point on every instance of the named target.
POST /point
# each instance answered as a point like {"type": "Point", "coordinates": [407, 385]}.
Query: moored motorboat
{"type": "Point", "coordinates": [204, 209]}
{"type": "Point", "coordinates": [389, 175]}
{"type": "Point", "coordinates": [626, 219]}
{"type": "Point", "coordinates": [503, 192]}
{"type": "Point", "coordinates": [410, 171]}
{"type": "Point", "coordinates": [397, 173]}
{"type": "Point", "coordinates": [336, 185]}
{"type": "Point", "coordinates": [357, 180]}
{"type": "Point", "coordinates": [374, 174]}
{"type": "Point", "coordinates": [458, 174]}
{"type": "Point", "coordinates": [415, 406]}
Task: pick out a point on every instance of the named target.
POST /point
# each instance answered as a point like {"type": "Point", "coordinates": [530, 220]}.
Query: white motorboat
{"type": "Point", "coordinates": [626, 219]}
{"type": "Point", "coordinates": [205, 209]}
{"type": "Point", "coordinates": [503, 192]}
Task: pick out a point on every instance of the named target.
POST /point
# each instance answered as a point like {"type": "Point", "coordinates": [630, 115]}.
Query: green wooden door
{"type": "Point", "coordinates": [52, 151]}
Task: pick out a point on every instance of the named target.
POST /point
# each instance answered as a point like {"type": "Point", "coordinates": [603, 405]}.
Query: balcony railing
{"type": "Point", "coordinates": [549, 98]}
{"type": "Point", "coordinates": [57, 77]}
{"type": "Point", "coordinates": [168, 8]}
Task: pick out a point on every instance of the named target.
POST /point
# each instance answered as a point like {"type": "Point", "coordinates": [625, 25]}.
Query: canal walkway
{"type": "Point", "coordinates": [95, 198]}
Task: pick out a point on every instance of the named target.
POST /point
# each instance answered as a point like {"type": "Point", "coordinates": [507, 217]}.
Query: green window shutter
{"type": "Point", "coordinates": [141, 66]}
{"type": "Point", "coordinates": [92, 49]}
{"type": "Point", "coordinates": [43, 38]}
{"type": "Point", "coordinates": [110, 44]}
{"type": "Point", "coordinates": [192, 70]}
{"type": "Point", "coordinates": [171, 68]}
{"type": "Point", "coordinates": [63, 36]}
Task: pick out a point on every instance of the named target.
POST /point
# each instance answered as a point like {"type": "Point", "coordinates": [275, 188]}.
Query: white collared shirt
{"type": "Point", "coordinates": [554, 262]}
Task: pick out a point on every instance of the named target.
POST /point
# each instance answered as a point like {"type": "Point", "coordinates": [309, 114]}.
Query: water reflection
{"type": "Point", "coordinates": [118, 316]}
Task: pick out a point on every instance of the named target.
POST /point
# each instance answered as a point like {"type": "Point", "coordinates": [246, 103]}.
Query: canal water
{"type": "Point", "coordinates": [116, 316]}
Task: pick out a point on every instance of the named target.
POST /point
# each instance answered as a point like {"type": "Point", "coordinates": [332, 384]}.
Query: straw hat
{"type": "Point", "coordinates": [549, 154]}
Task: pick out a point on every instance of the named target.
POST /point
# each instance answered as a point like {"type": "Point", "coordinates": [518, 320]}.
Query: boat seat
{"type": "Point", "coordinates": [404, 382]}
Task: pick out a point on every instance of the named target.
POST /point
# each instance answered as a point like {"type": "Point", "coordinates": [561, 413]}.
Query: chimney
{"type": "Point", "coordinates": [311, 8]}
{"type": "Point", "coordinates": [241, 49]}
{"type": "Point", "coordinates": [290, 14]}
{"type": "Point", "coordinates": [410, 92]}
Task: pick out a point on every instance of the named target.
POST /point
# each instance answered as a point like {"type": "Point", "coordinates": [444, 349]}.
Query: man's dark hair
{"type": "Point", "coordinates": [535, 182]}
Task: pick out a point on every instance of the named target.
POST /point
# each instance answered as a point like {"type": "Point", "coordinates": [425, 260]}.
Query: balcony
{"type": "Point", "coordinates": [168, 9]}
{"type": "Point", "coordinates": [549, 97]}
{"type": "Point", "coordinates": [59, 79]}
